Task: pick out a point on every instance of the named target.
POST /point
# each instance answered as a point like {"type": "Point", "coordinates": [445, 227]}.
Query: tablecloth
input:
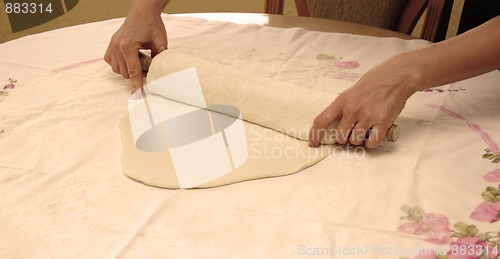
{"type": "Point", "coordinates": [63, 194]}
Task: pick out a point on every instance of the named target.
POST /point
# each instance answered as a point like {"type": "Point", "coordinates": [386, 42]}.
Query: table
{"type": "Point", "coordinates": [313, 24]}
{"type": "Point", "coordinates": [64, 194]}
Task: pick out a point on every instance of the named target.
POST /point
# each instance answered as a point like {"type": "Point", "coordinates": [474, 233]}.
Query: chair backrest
{"type": "Point", "coordinates": [379, 13]}
{"type": "Point", "coordinates": [435, 22]}
{"type": "Point", "coordinates": [276, 7]}
{"type": "Point", "coordinates": [398, 15]}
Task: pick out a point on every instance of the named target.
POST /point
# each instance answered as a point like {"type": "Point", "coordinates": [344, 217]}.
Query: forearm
{"type": "Point", "coordinates": [148, 7]}
{"type": "Point", "coordinates": [470, 54]}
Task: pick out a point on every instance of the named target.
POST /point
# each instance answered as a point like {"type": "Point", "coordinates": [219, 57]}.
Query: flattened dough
{"type": "Point", "coordinates": [269, 108]}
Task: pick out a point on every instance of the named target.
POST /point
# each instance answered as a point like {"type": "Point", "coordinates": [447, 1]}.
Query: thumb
{"type": "Point", "coordinates": [157, 47]}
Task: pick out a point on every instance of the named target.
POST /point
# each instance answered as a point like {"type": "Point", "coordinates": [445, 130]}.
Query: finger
{"type": "Point", "coordinates": [135, 88]}
{"type": "Point", "coordinates": [344, 130]}
{"type": "Point", "coordinates": [377, 135]}
{"type": "Point", "coordinates": [107, 55]}
{"type": "Point", "coordinates": [114, 63]}
{"type": "Point", "coordinates": [122, 64]}
{"type": "Point", "coordinates": [359, 133]}
{"type": "Point", "coordinates": [134, 67]}
{"type": "Point", "coordinates": [315, 135]}
{"type": "Point", "coordinates": [321, 123]}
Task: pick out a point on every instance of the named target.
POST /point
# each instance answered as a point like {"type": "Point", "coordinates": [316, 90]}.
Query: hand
{"type": "Point", "coordinates": [369, 106]}
{"type": "Point", "coordinates": [143, 29]}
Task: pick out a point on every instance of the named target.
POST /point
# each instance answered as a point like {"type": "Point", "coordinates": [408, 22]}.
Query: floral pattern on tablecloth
{"type": "Point", "coordinates": [440, 90]}
{"type": "Point", "coordinates": [6, 88]}
{"type": "Point", "coordinates": [465, 241]}
{"type": "Point", "coordinates": [488, 154]}
{"type": "Point", "coordinates": [4, 91]}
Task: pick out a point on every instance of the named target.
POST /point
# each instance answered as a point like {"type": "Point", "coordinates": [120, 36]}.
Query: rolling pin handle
{"type": "Point", "coordinates": [392, 133]}
{"type": "Point", "coordinates": [145, 61]}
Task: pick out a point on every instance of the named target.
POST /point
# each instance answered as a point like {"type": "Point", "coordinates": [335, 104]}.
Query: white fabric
{"type": "Point", "coordinates": [63, 194]}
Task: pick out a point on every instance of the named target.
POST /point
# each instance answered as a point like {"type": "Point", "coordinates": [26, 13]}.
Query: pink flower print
{"type": "Point", "coordinates": [10, 85]}
{"type": "Point", "coordinates": [493, 176]}
{"type": "Point", "coordinates": [414, 228]}
{"type": "Point", "coordinates": [346, 64]}
{"type": "Point", "coordinates": [487, 212]}
{"type": "Point", "coordinates": [436, 228]}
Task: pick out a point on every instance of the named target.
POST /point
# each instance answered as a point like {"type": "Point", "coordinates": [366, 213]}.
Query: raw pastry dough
{"type": "Point", "coordinates": [269, 108]}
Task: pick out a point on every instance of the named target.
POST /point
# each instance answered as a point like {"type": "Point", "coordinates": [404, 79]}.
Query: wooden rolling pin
{"type": "Point", "coordinates": [391, 135]}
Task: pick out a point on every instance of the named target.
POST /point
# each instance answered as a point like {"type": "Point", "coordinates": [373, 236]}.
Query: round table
{"type": "Point", "coordinates": [309, 23]}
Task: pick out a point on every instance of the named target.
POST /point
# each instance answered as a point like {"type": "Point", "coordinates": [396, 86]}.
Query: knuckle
{"type": "Point", "coordinates": [319, 122]}
{"type": "Point", "coordinates": [132, 73]}
{"type": "Point", "coordinates": [123, 45]}
{"type": "Point", "coordinates": [116, 44]}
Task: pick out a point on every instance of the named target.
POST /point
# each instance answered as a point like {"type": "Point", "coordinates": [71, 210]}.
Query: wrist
{"type": "Point", "coordinates": [413, 72]}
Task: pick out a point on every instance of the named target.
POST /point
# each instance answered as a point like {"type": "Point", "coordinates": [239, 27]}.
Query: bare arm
{"type": "Point", "coordinates": [142, 29]}
{"type": "Point", "coordinates": [379, 96]}
{"type": "Point", "coordinates": [470, 54]}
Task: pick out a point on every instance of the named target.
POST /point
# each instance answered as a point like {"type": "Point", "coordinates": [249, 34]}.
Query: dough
{"type": "Point", "coordinates": [269, 109]}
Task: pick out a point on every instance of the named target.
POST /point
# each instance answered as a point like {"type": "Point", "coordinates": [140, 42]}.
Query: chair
{"type": "Point", "coordinates": [435, 22]}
